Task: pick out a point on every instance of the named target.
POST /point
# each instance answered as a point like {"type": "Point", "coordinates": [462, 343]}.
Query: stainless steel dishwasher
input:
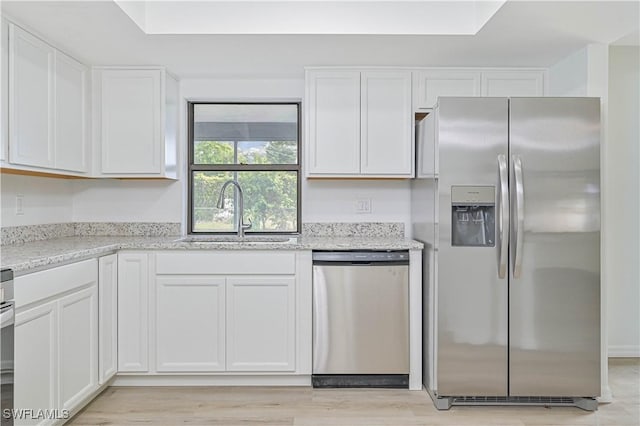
{"type": "Point", "coordinates": [361, 319]}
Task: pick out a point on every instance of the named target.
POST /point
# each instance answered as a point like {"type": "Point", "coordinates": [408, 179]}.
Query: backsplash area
{"type": "Point", "coordinates": [27, 233]}
{"type": "Point", "coordinates": [348, 229]}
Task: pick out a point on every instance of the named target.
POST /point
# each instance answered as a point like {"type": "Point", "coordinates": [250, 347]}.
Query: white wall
{"type": "Point", "coordinates": [623, 227]}
{"type": "Point", "coordinates": [613, 74]}
{"type": "Point", "coordinates": [569, 76]}
{"type": "Point", "coordinates": [114, 200]}
{"type": "Point", "coordinates": [45, 200]}
{"type": "Point", "coordinates": [334, 201]}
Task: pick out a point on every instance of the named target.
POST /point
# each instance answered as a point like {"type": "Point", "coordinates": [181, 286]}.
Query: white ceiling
{"type": "Point", "coordinates": [521, 33]}
{"type": "Point", "coordinates": [389, 17]}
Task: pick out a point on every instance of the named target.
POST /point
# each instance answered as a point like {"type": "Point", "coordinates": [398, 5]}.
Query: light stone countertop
{"type": "Point", "coordinates": [39, 255]}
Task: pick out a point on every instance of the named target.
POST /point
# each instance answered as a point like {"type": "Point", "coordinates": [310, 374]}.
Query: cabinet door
{"type": "Point", "coordinates": [261, 324]}
{"type": "Point", "coordinates": [78, 334]}
{"type": "Point", "coordinates": [30, 100]}
{"type": "Point", "coordinates": [108, 317]}
{"type": "Point", "coordinates": [333, 102]}
{"type": "Point", "coordinates": [133, 312]}
{"type": "Point", "coordinates": [428, 85]}
{"type": "Point", "coordinates": [131, 120]}
{"type": "Point", "coordinates": [386, 124]}
{"type": "Point", "coordinates": [36, 359]}
{"type": "Point", "coordinates": [4, 80]}
{"type": "Point", "coordinates": [512, 83]}
{"type": "Point", "coordinates": [190, 323]}
{"type": "Point", "coordinates": [426, 147]}
{"type": "Point", "coordinates": [70, 87]}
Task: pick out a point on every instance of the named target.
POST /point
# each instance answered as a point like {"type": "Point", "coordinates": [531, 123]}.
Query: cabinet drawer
{"type": "Point", "coordinates": [42, 285]}
{"type": "Point", "coordinates": [226, 263]}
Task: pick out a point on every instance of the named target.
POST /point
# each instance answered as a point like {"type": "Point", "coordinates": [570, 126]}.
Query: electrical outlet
{"type": "Point", "coordinates": [363, 205]}
{"type": "Point", "coordinates": [19, 205]}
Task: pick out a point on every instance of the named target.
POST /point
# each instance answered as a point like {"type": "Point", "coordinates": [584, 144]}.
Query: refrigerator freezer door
{"type": "Point", "coordinates": [471, 297]}
{"type": "Point", "coordinates": [554, 292]}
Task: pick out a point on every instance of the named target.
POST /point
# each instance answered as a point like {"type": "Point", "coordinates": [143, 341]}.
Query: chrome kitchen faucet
{"type": "Point", "coordinates": [241, 225]}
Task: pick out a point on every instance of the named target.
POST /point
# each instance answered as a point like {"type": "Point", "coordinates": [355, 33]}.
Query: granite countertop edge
{"type": "Point", "coordinates": [40, 255]}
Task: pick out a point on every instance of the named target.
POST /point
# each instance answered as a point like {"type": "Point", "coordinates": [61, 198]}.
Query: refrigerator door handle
{"type": "Point", "coordinates": [519, 234]}
{"type": "Point", "coordinates": [503, 211]}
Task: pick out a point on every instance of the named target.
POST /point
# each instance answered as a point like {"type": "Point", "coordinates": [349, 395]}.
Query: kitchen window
{"type": "Point", "coordinates": [256, 144]}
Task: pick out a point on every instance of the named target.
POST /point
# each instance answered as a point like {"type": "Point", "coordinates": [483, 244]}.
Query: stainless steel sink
{"type": "Point", "coordinates": [235, 239]}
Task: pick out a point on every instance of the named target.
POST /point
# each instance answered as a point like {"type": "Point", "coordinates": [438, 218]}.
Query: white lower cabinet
{"type": "Point", "coordinates": [212, 323]}
{"type": "Point", "coordinates": [218, 312]}
{"type": "Point", "coordinates": [78, 351]}
{"type": "Point", "coordinates": [190, 324]}
{"type": "Point", "coordinates": [133, 312]}
{"type": "Point", "coordinates": [261, 324]}
{"type": "Point", "coordinates": [56, 340]}
{"type": "Point", "coordinates": [107, 317]}
{"type": "Point", "coordinates": [36, 359]}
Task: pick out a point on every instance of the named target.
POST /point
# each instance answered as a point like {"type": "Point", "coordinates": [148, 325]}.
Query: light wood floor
{"type": "Point", "coordinates": [231, 406]}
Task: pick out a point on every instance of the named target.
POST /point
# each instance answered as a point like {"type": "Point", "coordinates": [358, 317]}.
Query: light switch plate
{"type": "Point", "coordinates": [19, 205]}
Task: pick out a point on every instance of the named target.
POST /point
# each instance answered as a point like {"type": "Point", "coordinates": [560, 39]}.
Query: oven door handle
{"type": "Point", "coordinates": [7, 316]}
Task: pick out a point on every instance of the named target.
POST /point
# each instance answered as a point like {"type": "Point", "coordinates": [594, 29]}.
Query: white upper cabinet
{"type": "Point", "coordinates": [428, 85]}
{"type": "Point", "coordinates": [70, 114]}
{"type": "Point", "coordinates": [386, 124]}
{"type": "Point", "coordinates": [47, 106]}
{"type": "Point", "coordinates": [135, 122]}
{"type": "Point", "coordinates": [31, 139]}
{"type": "Point", "coordinates": [359, 123]}
{"type": "Point", "coordinates": [512, 83]}
{"type": "Point", "coordinates": [4, 80]}
{"type": "Point", "coordinates": [333, 108]}
{"type": "Point", "coordinates": [426, 146]}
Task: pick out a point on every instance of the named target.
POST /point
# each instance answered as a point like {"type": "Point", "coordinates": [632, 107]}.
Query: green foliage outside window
{"type": "Point", "coordinates": [270, 197]}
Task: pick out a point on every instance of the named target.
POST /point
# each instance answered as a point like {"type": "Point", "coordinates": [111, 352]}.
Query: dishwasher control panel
{"type": "Point", "coordinates": [361, 256]}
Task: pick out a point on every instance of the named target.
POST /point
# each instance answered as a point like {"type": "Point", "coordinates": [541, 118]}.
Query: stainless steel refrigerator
{"type": "Point", "coordinates": [508, 204]}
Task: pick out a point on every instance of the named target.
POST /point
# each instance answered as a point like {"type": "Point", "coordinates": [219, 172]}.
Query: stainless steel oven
{"type": "Point", "coordinates": [7, 321]}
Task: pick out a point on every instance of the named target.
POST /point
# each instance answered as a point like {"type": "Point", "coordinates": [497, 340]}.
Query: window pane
{"type": "Point", "coordinates": [245, 133]}
{"type": "Point", "coordinates": [270, 201]}
{"type": "Point", "coordinates": [213, 152]}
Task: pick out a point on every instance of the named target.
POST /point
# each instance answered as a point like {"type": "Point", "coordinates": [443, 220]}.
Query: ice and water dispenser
{"type": "Point", "coordinates": [473, 221]}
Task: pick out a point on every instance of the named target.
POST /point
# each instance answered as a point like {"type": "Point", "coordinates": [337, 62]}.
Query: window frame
{"type": "Point", "coordinates": [191, 167]}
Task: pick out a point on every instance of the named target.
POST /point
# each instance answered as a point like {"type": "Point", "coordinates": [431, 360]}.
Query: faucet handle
{"type": "Point", "coordinates": [247, 225]}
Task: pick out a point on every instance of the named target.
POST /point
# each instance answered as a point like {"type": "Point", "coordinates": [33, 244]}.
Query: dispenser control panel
{"type": "Point", "coordinates": [480, 195]}
{"type": "Point", "coordinates": [473, 221]}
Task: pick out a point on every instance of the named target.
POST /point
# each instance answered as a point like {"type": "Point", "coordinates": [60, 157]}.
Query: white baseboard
{"type": "Point", "coordinates": [624, 351]}
{"type": "Point", "coordinates": [211, 380]}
